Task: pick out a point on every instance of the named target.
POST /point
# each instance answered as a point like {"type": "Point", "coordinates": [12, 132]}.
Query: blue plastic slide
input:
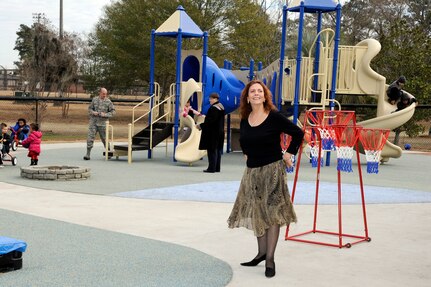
{"type": "Point", "coordinates": [224, 83]}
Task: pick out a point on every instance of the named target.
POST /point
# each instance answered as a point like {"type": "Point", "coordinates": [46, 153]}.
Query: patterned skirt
{"type": "Point", "coordinates": [263, 199]}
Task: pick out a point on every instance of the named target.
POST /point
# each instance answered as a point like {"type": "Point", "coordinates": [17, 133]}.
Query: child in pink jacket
{"type": "Point", "coordinates": [33, 143]}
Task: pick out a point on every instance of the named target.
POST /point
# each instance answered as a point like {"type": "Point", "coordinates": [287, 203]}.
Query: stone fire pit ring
{"type": "Point", "coordinates": [55, 172]}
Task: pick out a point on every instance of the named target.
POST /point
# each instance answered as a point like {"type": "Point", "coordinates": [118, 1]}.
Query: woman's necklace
{"type": "Point", "coordinates": [255, 121]}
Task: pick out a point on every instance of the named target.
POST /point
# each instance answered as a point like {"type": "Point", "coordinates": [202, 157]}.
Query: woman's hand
{"type": "Point", "coordinates": [287, 158]}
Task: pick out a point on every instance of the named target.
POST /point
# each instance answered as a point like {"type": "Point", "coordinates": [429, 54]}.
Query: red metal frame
{"type": "Point", "coordinates": [350, 119]}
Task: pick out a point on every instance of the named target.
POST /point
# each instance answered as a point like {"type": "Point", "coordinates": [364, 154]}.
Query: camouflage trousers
{"type": "Point", "coordinates": [93, 129]}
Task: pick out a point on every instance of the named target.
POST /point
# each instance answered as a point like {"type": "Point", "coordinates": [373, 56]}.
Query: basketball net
{"type": "Point", "coordinates": [345, 139]}
{"type": "Point", "coordinates": [373, 141]}
{"type": "Point", "coordinates": [327, 137]}
{"type": "Point", "coordinates": [314, 152]}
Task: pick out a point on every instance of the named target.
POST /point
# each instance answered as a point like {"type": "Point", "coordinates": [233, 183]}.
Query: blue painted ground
{"type": "Point", "coordinates": [225, 191]}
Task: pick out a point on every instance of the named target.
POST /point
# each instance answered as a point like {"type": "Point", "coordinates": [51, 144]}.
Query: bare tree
{"type": "Point", "coordinates": [47, 62]}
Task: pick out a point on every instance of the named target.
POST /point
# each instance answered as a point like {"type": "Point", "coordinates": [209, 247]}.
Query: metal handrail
{"type": "Point", "coordinates": [109, 139]}
{"type": "Point", "coordinates": [152, 111]}
{"type": "Point", "coordinates": [166, 114]}
{"type": "Point", "coordinates": [154, 96]}
{"type": "Point", "coordinates": [328, 38]}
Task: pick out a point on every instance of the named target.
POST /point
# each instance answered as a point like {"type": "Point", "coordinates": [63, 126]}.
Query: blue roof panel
{"type": "Point", "coordinates": [313, 6]}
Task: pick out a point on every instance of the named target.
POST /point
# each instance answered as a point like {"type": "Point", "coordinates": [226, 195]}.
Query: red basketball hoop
{"type": "Point", "coordinates": [328, 117]}
{"type": "Point", "coordinates": [373, 141]}
{"type": "Point", "coordinates": [323, 120]}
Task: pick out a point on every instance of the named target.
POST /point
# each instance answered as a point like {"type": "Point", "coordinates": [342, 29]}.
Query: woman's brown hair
{"type": "Point", "coordinates": [245, 107]}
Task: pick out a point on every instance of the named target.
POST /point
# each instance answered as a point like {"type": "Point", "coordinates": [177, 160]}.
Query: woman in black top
{"type": "Point", "coordinates": [263, 202]}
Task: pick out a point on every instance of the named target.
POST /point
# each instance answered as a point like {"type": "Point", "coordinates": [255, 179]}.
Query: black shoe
{"type": "Point", "coordinates": [270, 272]}
{"type": "Point", "coordinates": [255, 261]}
{"type": "Point", "coordinates": [210, 171]}
{"type": "Point", "coordinates": [86, 157]}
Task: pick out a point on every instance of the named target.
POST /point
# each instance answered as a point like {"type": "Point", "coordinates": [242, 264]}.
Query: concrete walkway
{"type": "Point", "coordinates": [398, 255]}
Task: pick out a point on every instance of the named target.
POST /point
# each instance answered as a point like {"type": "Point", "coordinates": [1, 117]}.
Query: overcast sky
{"type": "Point", "coordinates": [78, 16]}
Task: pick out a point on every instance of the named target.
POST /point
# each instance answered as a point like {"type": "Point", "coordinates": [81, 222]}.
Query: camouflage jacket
{"type": "Point", "coordinates": [100, 106]}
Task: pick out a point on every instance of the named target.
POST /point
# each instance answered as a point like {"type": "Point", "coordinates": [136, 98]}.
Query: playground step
{"type": "Point", "coordinates": [141, 140]}
{"type": "Point", "coordinates": [134, 147]}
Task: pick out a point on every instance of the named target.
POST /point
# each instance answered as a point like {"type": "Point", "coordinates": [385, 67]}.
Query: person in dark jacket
{"type": "Point", "coordinates": [394, 91]}
{"type": "Point", "coordinates": [212, 137]}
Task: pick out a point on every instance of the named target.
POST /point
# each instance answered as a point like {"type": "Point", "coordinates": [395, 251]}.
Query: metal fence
{"type": "Point", "coordinates": [66, 119]}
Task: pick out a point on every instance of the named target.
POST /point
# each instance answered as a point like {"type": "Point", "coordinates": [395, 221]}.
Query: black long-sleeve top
{"type": "Point", "coordinates": [261, 143]}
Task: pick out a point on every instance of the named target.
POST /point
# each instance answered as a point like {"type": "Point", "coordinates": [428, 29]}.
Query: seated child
{"type": "Point", "coordinates": [21, 129]}
{"type": "Point", "coordinates": [5, 140]}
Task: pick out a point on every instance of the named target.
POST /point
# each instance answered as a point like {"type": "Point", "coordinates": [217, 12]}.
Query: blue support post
{"type": "Point", "coordinates": [335, 61]}
{"type": "Point", "coordinates": [334, 67]}
{"type": "Point", "coordinates": [151, 91]}
{"type": "Point", "coordinates": [251, 70]}
{"type": "Point", "coordinates": [259, 66]}
{"type": "Point", "coordinates": [298, 64]}
{"type": "Point", "coordinates": [226, 64]}
{"type": "Point", "coordinates": [177, 89]}
{"type": "Point", "coordinates": [282, 55]}
{"type": "Point", "coordinates": [152, 49]}
{"type": "Point", "coordinates": [228, 123]}
{"type": "Point", "coordinates": [204, 64]}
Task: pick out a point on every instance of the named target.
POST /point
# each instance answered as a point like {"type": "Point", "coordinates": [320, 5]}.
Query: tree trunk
{"type": "Point", "coordinates": [397, 136]}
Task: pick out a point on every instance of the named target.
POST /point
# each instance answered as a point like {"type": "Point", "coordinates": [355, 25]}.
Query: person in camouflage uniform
{"type": "Point", "coordinates": [99, 111]}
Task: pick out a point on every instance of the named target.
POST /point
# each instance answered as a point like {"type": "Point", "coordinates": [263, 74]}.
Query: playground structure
{"type": "Point", "coordinates": [311, 80]}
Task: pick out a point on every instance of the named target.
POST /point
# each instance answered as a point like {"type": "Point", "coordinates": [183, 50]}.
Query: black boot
{"type": "Point", "coordinates": [35, 161]}
{"type": "Point", "coordinates": [32, 162]}
{"type": "Point", "coordinates": [87, 155]}
{"type": "Point", "coordinates": [255, 261]}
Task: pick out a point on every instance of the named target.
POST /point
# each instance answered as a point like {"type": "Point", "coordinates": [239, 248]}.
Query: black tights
{"type": "Point", "coordinates": [267, 243]}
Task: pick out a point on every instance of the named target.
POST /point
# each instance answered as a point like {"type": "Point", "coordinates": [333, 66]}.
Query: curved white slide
{"type": "Point", "coordinates": [374, 84]}
{"type": "Point", "coordinates": [390, 121]}
{"type": "Point", "coordinates": [188, 150]}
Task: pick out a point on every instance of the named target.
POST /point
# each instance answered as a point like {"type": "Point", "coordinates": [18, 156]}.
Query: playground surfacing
{"type": "Point", "coordinates": [398, 254]}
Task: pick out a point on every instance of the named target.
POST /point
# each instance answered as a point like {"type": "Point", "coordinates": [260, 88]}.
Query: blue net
{"type": "Point", "coordinates": [344, 158]}
{"type": "Point", "coordinates": [314, 160]}
{"type": "Point", "coordinates": [373, 159]}
{"type": "Point", "coordinates": [314, 152]}
{"type": "Point", "coordinates": [373, 167]}
{"type": "Point", "coordinates": [327, 136]}
{"type": "Point", "coordinates": [328, 144]}
{"type": "Point", "coordinates": [344, 164]}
